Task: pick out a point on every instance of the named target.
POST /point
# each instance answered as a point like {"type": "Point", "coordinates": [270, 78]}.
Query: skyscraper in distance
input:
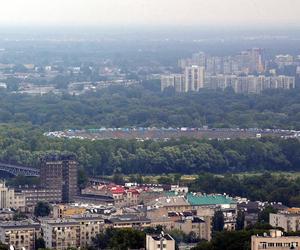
{"type": "Point", "coordinates": [194, 78]}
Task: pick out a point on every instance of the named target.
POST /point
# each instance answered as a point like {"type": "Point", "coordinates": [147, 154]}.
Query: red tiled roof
{"type": "Point", "coordinates": [117, 190]}
{"type": "Point", "coordinates": [134, 191]}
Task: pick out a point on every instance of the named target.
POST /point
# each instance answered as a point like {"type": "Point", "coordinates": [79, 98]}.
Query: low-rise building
{"type": "Point", "coordinates": [289, 222]}
{"type": "Point", "coordinates": [6, 215]}
{"type": "Point", "coordinates": [230, 216]}
{"type": "Point", "coordinates": [251, 210]}
{"type": "Point", "coordinates": [10, 199]}
{"type": "Point", "coordinates": [200, 227]}
{"type": "Point", "coordinates": [150, 195]}
{"type": "Point", "coordinates": [66, 211]}
{"type": "Point", "coordinates": [77, 231]}
{"type": "Point", "coordinates": [179, 190]}
{"type": "Point", "coordinates": [128, 221]}
{"type": "Point", "coordinates": [95, 199]}
{"type": "Point", "coordinates": [170, 203]}
{"type": "Point", "coordinates": [213, 200]}
{"type": "Point", "coordinates": [123, 197]}
{"type": "Point", "coordinates": [160, 242]}
{"type": "Point", "coordinates": [21, 235]}
{"type": "Point", "coordinates": [61, 234]}
{"type": "Point", "coordinates": [275, 241]}
{"type": "Point", "coordinates": [210, 203]}
{"type": "Point", "coordinates": [35, 195]}
{"type": "Point", "coordinates": [166, 223]}
{"type": "Point", "coordinates": [90, 227]}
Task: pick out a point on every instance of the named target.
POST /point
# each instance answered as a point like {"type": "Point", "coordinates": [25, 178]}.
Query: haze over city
{"type": "Point", "coordinates": [149, 124]}
{"type": "Point", "coordinates": [150, 12]}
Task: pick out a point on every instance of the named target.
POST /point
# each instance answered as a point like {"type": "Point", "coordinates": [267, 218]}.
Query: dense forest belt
{"type": "Point", "coordinates": [118, 107]}
{"type": "Point", "coordinates": [25, 146]}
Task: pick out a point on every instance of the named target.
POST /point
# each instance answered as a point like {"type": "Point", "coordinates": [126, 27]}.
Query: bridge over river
{"type": "Point", "coordinates": [16, 170]}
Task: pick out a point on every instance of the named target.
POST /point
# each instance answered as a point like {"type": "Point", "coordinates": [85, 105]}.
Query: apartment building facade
{"type": "Point", "coordinates": [59, 172]}
{"type": "Point", "coordinates": [290, 222]}
{"type": "Point", "coordinates": [77, 231]}
{"type": "Point", "coordinates": [160, 242]}
{"type": "Point", "coordinates": [20, 235]}
{"type": "Point", "coordinates": [275, 241]}
{"type": "Point", "coordinates": [10, 199]}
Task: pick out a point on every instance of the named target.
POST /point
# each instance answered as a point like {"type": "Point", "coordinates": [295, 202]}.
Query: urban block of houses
{"type": "Point", "coordinates": [121, 196]}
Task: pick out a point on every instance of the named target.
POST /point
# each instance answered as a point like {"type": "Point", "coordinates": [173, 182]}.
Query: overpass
{"type": "Point", "coordinates": [19, 170]}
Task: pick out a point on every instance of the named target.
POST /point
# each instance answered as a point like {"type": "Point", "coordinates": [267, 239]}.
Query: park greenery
{"type": "Point", "coordinates": [113, 238]}
{"type": "Point", "coordinates": [141, 106]}
{"type": "Point", "coordinates": [25, 118]}
{"type": "Point", "coordinates": [27, 145]}
{"type": "Point", "coordinates": [185, 156]}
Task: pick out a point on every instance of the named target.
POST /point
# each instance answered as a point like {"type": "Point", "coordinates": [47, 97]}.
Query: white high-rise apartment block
{"type": "Point", "coordinates": [166, 81]}
{"type": "Point", "coordinates": [176, 81]}
{"type": "Point", "coordinates": [194, 78]}
{"type": "Point", "coordinates": [179, 83]}
{"type": "Point", "coordinates": [249, 84]}
{"type": "Point", "coordinates": [199, 59]}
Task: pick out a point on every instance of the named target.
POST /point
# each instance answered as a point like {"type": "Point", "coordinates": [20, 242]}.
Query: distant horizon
{"type": "Point", "coordinates": [166, 29]}
{"type": "Point", "coordinates": [274, 27]}
{"type": "Point", "coordinates": [150, 12]}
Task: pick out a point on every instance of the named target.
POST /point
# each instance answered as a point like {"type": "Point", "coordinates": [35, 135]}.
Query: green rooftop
{"type": "Point", "coordinates": [170, 193]}
{"type": "Point", "coordinates": [202, 200]}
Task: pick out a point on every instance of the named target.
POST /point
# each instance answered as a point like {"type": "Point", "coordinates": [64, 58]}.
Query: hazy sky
{"type": "Point", "coordinates": [150, 12]}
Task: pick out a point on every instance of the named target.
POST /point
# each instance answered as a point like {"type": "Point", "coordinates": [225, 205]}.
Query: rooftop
{"type": "Point", "coordinates": [169, 201]}
{"type": "Point", "coordinates": [95, 197]}
{"type": "Point", "coordinates": [203, 200]}
{"type": "Point", "coordinates": [19, 224]}
{"type": "Point", "coordinates": [60, 222]}
{"type": "Point", "coordinates": [59, 157]}
{"type": "Point", "coordinates": [88, 217]}
{"type": "Point", "coordinates": [117, 190]}
{"type": "Point", "coordinates": [159, 237]}
{"type": "Point", "coordinates": [127, 218]}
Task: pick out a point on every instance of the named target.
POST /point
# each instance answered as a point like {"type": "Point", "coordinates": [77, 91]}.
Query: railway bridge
{"type": "Point", "coordinates": [19, 170]}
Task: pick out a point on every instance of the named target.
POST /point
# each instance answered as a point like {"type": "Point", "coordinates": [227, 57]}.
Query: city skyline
{"type": "Point", "coordinates": [150, 13]}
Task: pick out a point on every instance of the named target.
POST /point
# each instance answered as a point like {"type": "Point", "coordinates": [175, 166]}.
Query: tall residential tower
{"type": "Point", "coordinates": [194, 78]}
{"type": "Point", "coordinates": [60, 173]}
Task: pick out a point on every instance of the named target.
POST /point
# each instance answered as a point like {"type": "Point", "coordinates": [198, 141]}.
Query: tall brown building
{"type": "Point", "coordinates": [59, 172]}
